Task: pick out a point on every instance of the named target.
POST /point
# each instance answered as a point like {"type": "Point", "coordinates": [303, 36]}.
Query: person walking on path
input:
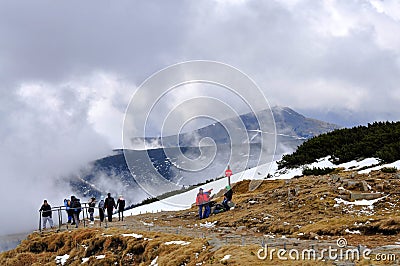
{"type": "Point", "coordinates": [120, 207]}
{"type": "Point", "coordinates": [109, 204]}
{"type": "Point", "coordinates": [92, 205]}
{"type": "Point", "coordinates": [202, 200]}
{"type": "Point", "coordinates": [76, 207]}
{"type": "Point", "coordinates": [101, 209]}
{"type": "Point", "coordinates": [46, 214]}
{"type": "Point", "coordinates": [227, 197]}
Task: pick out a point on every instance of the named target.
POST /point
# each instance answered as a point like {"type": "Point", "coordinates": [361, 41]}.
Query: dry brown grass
{"type": "Point", "coordinates": [283, 207]}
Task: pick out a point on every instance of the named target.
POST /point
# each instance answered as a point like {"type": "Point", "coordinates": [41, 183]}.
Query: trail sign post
{"type": "Point", "coordinates": [228, 173]}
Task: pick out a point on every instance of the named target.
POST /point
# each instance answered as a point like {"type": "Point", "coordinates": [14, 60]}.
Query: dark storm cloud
{"type": "Point", "coordinates": [56, 40]}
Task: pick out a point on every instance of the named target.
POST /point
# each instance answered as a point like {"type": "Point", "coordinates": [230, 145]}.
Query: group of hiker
{"type": "Point", "coordinates": [73, 207]}
{"type": "Point", "coordinates": [205, 205]}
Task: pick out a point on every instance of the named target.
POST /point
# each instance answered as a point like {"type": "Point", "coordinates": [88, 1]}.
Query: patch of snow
{"type": "Point", "coordinates": [354, 165]}
{"type": "Point", "coordinates": [394, 164]}
{"type": "Point", "coordinates": [226, 257]}
{"type": "Point", "coordinates": [84, 260]}
{"type": "Point", "coordinates": [133, 235]}
{"type": "Point", "coordinates": [208, 224]}
{"type": "Point", "coordinates": [363, 202]}
{"type": "Point", "coordinates": [62, 259]}
{"type": "Point", "coordinates": [147, 224]}
{"type": "Point", "coordinates": [99, 257]}
{"type": "Point", "coordinates": [154, 262]}
{"type": "Point", "coordinates": [177, 242]}
{"type": "Point", "coordinates": [355, 232]}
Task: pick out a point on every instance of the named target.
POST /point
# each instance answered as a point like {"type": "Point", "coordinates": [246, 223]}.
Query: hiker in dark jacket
{"type": "Point", "coordinates": [92, 205]}
{"type": "Point", "coordinates": [227, 197]}
{"type": "Point", "coordinates": [46, 214]}
{"type": "Point", "coordinates": [109, 204]}
{"type": "Point", "coordinates": [76, 207]}
{"type": "Point", "coordinates": [120, 207]}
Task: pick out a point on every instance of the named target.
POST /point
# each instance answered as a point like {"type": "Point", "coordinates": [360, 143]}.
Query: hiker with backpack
{"type": "Point", "coordinates": [101, 209]}
{"type": "Point", "coordinates": [109, 204]}
{"type": "Point", "coordinates": [70, 212]}
{"type": "Point", "coordinates": [76, 207]}
{"type": "Point", "coordinates": [202, 200]}
{"type": "Point", "coordinates": [92, 205]}
{"type": "Point", "coordinates": [120, 206]}
{"type": "Point", "coordinates": [227, 198]}
{"type": "Point", "coordinates": [46, 214]}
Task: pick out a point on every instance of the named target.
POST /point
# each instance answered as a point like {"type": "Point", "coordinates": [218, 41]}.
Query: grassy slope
{"type": "Point", "coordinates": [311, 212]}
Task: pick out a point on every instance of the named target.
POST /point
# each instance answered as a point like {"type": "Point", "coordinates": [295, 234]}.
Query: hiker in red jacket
{"type": "Point", "coordinates": [202, 200]}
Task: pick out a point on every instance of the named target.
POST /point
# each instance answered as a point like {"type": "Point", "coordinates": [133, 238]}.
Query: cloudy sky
{"type": "Point", "coordinates": [69, 68]}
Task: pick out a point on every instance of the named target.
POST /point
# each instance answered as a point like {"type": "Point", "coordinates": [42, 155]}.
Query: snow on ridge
{"type": "Point", "coordinates": [185, 200]}
{"type": "Point", "coordinates": [394, 164]}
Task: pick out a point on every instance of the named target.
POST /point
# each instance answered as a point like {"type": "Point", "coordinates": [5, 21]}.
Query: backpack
{"type": "Point", "coordinates": [219, 208]}
{"type": "Point", "coordinates": [77, 205]}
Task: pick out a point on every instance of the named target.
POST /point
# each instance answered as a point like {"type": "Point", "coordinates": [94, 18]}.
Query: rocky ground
{"type": "Point", "coordinates": [304, 213]}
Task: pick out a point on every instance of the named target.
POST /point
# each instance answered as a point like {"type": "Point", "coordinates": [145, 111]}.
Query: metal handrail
{"type": "Point", "coordinates": [84, 207]}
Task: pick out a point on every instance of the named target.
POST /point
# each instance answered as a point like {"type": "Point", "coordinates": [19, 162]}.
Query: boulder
{"type": "Point", "coordinates": [366, 196]}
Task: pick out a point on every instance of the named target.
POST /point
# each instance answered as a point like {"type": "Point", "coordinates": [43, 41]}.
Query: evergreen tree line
{"type": "Point", "coordinates": [380, 140]}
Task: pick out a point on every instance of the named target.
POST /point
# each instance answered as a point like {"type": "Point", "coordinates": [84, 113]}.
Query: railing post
{"type": "Point", "coordinates": [40, 221]}
{"type": "Point", "coordinates": [84, 209]}
{"type": "Point", "coordinates": [59, 218]}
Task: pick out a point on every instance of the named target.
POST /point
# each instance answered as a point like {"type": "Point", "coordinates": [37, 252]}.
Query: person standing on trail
{"type": "Point", "coordinates": [92, 205]}
{"type": "Point", "coordinates": [46, 214]}
{"type": "Point", "coordinates": [101, 209]}
{"type": "Point", "coordinates": [77, 208]}
{"type": "Point", "coordinates": [202, 200]}
{"type": "Point", "coordinates": [120, 207]}
{"type": "Point", "coordinates": [227, 197]}
{"type": "Point", "coordinates": [109, 204]}
{"type": "Point", "coordinates": [67, 204]}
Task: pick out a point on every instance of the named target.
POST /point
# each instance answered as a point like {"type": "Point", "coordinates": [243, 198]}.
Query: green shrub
{"type": "Point", "coordinates": [317, 171]}
{"type": "Point", "coordinates": [389, 170]}
{"type": "Point", "coordinates": [377, 140]}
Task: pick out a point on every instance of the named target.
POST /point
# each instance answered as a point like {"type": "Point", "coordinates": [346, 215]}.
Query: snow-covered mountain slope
{"type": "Point", "coordinates": [185, 200]}
{"type": "Point", "coordinates": [112, 174]}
